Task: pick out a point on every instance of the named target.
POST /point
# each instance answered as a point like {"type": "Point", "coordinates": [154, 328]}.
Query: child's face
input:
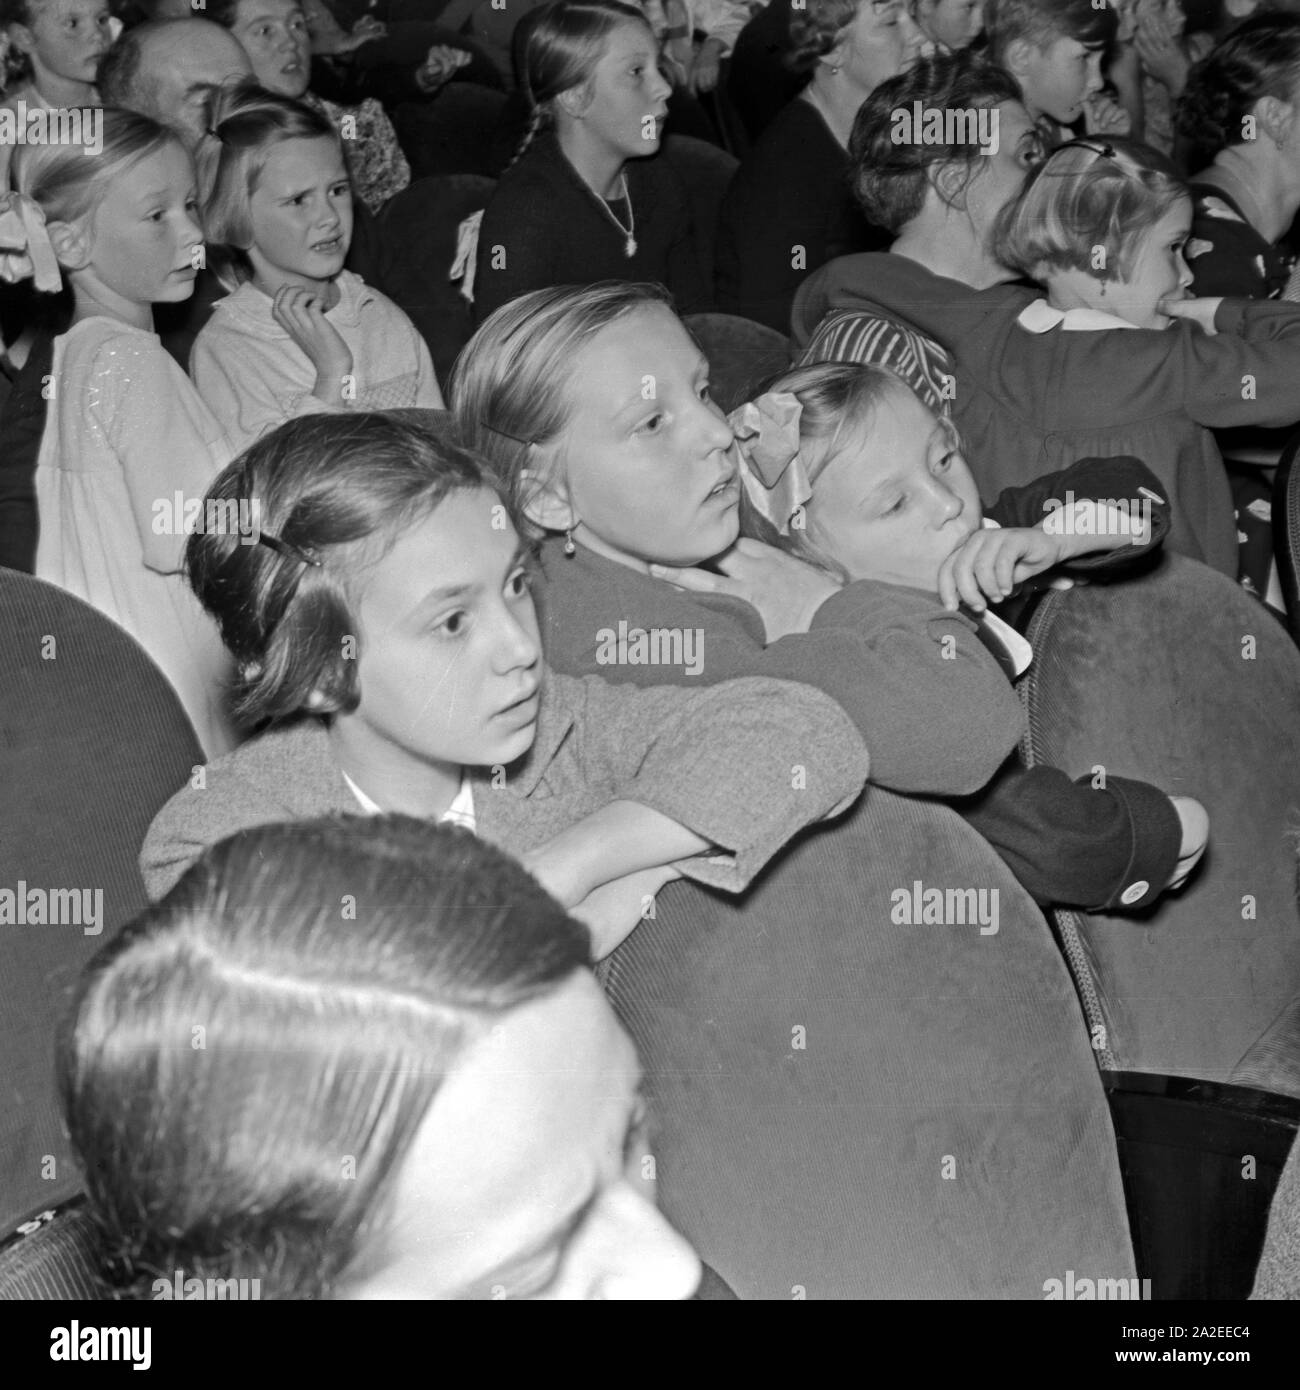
{"type": "Point", "coordinates": [646, 453]}
{"type": "Point", "coordinates": [301, 215]}
{"type": "Point", "coordinates": [451, 663]}
{"type": "Point", "coordinates": [627, 97]}
{"type": "Point", "coordinates": [536, 1145]}
{"type": "Point", "coordinates": [144, 233]}
{"type": "Point", "coordinates": [882, 41]}
{"type": "Point", "coordinates": [66, 38]}
{"type": "Point", "coordinates": [954, 23]}
{"type": "Point", "coordinates": [1158, 272]}
{"type": "Point", "coordinates": [897, 497]}
{"type": "Point", "coordinates": [1057, 79]}
{"type": "Point", "coordinates": [274, 35]}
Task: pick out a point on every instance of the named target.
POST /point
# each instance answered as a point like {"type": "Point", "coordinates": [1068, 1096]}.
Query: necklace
{"type": "Point", "coordinates": [629, 245]}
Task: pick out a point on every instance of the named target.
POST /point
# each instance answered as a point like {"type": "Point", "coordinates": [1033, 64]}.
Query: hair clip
{"type": "Point", "coordinates": [290, 552]}
{"type": "Point", "coordinates": [505, 434]}
{"type": "Point", "coordinates": [1103, 148]}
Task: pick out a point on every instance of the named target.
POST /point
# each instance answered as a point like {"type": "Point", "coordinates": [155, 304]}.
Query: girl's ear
{"type": "Point", "coordinates": [1016, 57]}
{"type": "Point", "coordinates": [575, 101]}
{"type": "Point", "coordinates": [1276, 119]}
{"type": "Point", "coordinates": [546, 500]}
{"type": "Point", "coordinates": [20, 36]}
{"type": "Point", "coordinates": [71, 243]}
{"type": "Point", "coordinates": [950, 181]}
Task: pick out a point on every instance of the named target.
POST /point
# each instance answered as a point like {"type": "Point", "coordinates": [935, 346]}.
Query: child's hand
{"type": "Point", "coordinates": [1195, 822]}
{"type": "Point", "coordinates": [302, 316]}
{"type": "Point", "coordinates": [1160, 48]}
{"type": "Point", "coordinates": [1103, 115]}
{"type": "Point", "coordinates": [786, 591]}
{"type": "Point", "coordinates": [706, 67]}
{"type": "Point", "coordinates": [440, 63]}
{"type": "Point", "coordinates": [989, 564]}
{"type": "Point", "coordinates": [613, 911]}
{"type": "Point", "coordinates": [1200, 311]}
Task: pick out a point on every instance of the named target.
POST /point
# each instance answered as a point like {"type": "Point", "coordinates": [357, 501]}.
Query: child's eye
{"type": "Point", "coordinates": [453, 625]}
{"type": "Point", "coordinates": [651, 426]}
{"type": "Point", "coordinates": [341, 190]}
{"type": "Point", "coordinates": [706, 392]}
{"type": "Point", "coordinates": [895, 508]}
{"type": "Point", "coordinates": [155, 216]}
{"type": "Point", "coordinates": [945, 463]}
{"type": "Point", "coordinates": [519, 583]}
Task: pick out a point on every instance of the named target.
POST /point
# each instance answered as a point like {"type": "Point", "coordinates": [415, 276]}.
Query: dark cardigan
{"type": "Point", "coordinates": [544, 226]}
{"type": "Point", "coordinates": [791, 192]}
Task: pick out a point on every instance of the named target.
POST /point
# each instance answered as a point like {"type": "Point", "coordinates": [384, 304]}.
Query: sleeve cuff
{"type": "Point", "coordinates": [1156, 837]}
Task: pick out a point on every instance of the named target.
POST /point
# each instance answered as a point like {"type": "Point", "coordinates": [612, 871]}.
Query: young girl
{"type": "Point", "coordinates": [1113, 358]}
{"type": "Point", "coordinates": [582, 202]}
{"type": "Point", "coordinates": [872, 485]}
{"type": "Point", "coordinates": [426, 1097]}
{"type": "Point", "coordinates": [552, 389]}
{"type": "Point", "coordinates": [386, 612]}
{"type": "Point", "coordinates": [129, 448]}
{"type": "Point", "coordinates": [299, 333]}
{"type": "Point", "coordinates": [61, 42]}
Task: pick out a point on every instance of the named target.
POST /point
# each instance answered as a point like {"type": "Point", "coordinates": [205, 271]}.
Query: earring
{"type": "Point", "coordinates": [570, 549]}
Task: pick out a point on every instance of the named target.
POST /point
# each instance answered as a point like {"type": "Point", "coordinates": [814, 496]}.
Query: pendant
{"type": "Point", "coordinates": [630, 249]}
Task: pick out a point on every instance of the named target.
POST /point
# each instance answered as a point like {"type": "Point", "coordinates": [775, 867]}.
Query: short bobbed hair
{"type": "Point", "coordinates": [244, 1068]}
{"type": "Point", "coordinates": [507, 389]}
{"type": "Point", "coordinates": [1259, 58]}
{"type": "Point", "coordinates": [338, 488]}
{"type": "Point", "coordinates": [247, 124]}
{"type": "Point", "coordinates": [815, 29]}
{"type": "Point", "coordinates": [890, 180]}
{"type": "Point", "coordinates": [1088, 195]}
{"type": "Point", "coordinates": [1043, 22]}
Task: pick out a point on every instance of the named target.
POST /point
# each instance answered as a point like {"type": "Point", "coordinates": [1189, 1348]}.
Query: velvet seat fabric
{"type": "Point", "coordinates": [848, 1106]}
{"type": "Point", "coordinates": [1180, 678]}
{"type": "Point", "coordinates": [92, 742]}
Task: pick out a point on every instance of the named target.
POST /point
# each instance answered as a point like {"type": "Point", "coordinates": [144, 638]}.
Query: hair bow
{"type": "Point", "coordinates": [767, 440]}
{"type": "Point", "coordinates": [25, 248]}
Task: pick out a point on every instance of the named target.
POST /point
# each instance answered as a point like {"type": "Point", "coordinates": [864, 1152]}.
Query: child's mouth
{"type": "Point", "coordinates": [726, 490]}
{"type": "Point", "coordinates": [328, 248]}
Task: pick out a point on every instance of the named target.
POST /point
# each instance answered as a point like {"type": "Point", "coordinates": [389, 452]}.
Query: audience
{"type": "Point", "coordinates": [585, 199]}
{"type": "Point", "coordinates": [1026, 341]}
{"type": "Point", "coordinates": [789, 210]}
{"type": "Point", "coordinates": [366, 1091]}
{"type": "Point", "coordinates": [299, 333]}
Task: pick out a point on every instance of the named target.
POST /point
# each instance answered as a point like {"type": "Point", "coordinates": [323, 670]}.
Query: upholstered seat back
{"type": "Point", "coordinates": [1182, 679]}
{"type": "Point", "coordinates": [92, 742]}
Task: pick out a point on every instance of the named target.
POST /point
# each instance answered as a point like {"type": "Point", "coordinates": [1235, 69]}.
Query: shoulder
{"type": "Point", "coordinates": [111, 349]}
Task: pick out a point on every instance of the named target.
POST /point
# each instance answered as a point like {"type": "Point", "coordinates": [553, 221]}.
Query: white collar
{"type": "Point", "coordinates": [1015, 646]}
{"type": "Point", "coordinates": [1040, 317]}
{"type": "Point", "coordinates": [460, 812]}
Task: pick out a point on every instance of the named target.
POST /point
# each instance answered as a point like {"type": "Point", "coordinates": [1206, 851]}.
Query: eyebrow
{"type": "Point", "coordinates": [452, 591]}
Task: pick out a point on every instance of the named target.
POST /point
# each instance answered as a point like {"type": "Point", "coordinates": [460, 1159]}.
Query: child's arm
{"type": "Point", "coordinates": [622, 838]}
{"type": "Point", "coordinates": [735, 768]}
{"type": "Point", "coordinates": [1117, 847]}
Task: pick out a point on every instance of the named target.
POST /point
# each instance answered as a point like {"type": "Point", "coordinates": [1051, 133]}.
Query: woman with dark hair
{"type": "Point", "coordinates": [338, 1101]}
{"type": "Point", "coordinates": [1241, 111]}
{"type": "Point", "coordinates": [581, 202]}
{"type": "Point", "coordinates": [789, 209]}
{"type": "Point", "coordinates": [939, 200]}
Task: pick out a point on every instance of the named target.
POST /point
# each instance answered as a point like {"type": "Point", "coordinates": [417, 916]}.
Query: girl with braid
{"type": "Point", "coordinates": [584, 200]}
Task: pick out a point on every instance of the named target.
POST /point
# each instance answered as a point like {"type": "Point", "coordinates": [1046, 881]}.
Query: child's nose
{"type": "Point", "coordinates": [714, 431]}
{"type": "Point", "coordinates": [661, 88]}
{"type": "Point", "coordinates": [910, 32]}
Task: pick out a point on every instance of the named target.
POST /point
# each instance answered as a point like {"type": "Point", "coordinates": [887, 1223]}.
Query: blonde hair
{"type": "Point", "coordinates": [1088, 206]}
{"type": "Point", "coordinates": [836, 398]}
{"type": "Point", "coordinates": [247, 124]}
{"type": "Point", "coordinates": [67, 181]}
{"type": "Point", "coordinates": [507, 389]}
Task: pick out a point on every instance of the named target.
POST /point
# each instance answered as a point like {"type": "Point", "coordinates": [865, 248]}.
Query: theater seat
{"type": "Point", "coordinates": [54, 1255]}
{"type": "Point", "coordinates": [418, 228]}
{"type": "Point", "coordinates": [1286, 531]}
{"type": "Point", "coordinates": [741, 354]}
{"type": "Point", "coordinates": [92, 741]}
{"type": "Point", "coordinates": [1182, 679]}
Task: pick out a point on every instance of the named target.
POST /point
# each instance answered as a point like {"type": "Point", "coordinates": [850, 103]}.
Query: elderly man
{"type": "Point", "coordinates": [168, 70]}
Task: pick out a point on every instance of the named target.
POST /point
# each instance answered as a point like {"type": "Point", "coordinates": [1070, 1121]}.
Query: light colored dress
{"type": "Point", "coordinates": [129, 451]}
{"type": "Point", "coordinates": [253, 376]}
